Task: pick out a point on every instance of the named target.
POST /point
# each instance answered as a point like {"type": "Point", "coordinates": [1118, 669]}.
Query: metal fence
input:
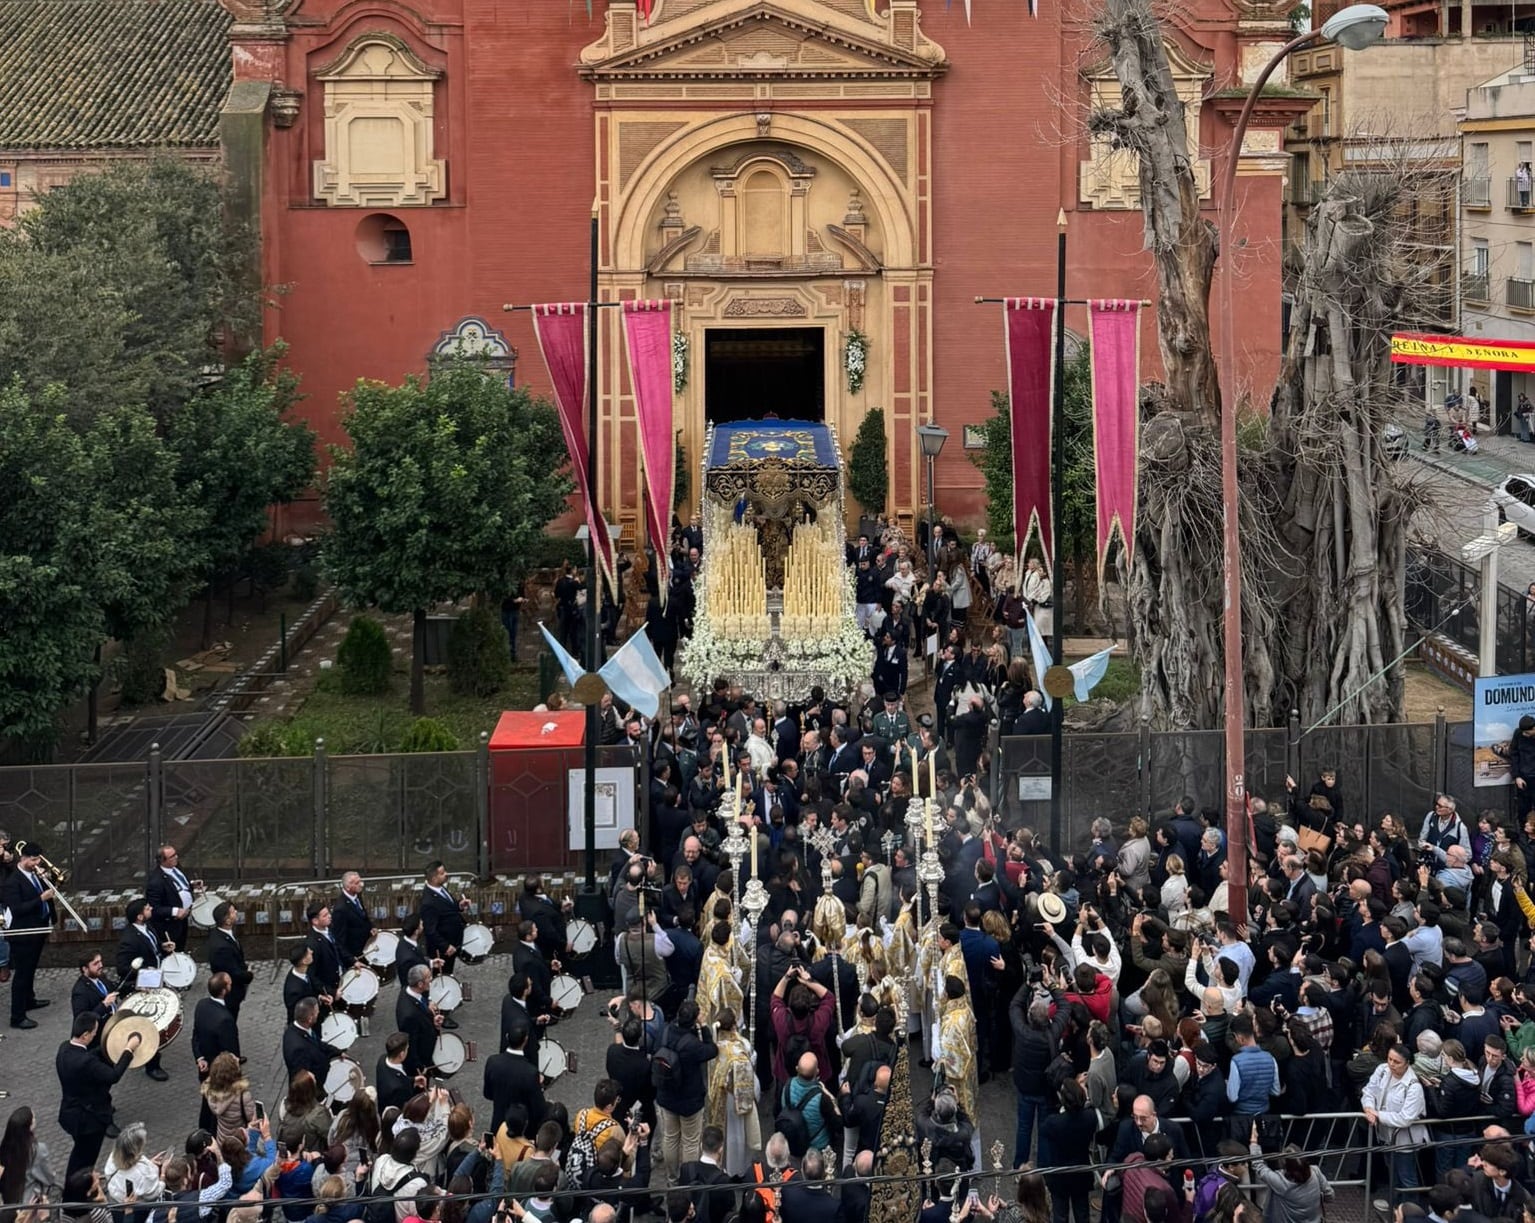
{"type": "Point", "coordinates": [1397, 767]}
{"type": "Point", "coordinates": [1442, 594]}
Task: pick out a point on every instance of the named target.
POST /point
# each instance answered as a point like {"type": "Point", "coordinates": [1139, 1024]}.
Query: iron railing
{"type": "Point", "coordinates": [1476, 192]}
{"type": "Point", "coordinates": [1521, 294]}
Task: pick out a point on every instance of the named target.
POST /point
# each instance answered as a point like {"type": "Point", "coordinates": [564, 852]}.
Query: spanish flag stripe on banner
{"type": "Point", "coordinates": [1412, 348]}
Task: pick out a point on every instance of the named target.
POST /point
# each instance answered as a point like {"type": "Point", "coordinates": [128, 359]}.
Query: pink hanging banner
{"type": "Point", "coordinates": [562, 339]}
{"type": "Point", "coordinates": [648, 330]}
{"type": "Point", "coordinates": [1029, 326]}
{"type": "Point", "coordinates": [1114, 328]}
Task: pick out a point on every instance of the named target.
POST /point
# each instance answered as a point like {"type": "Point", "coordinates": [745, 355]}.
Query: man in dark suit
{"type": "Point", "coordinates": [225, 955]}
{"type": "Point", "coordinates": [86, 1080]}
{"type": "Point", "coordinates": [547, 917]}
{"type": "Point", "coordinates": [511, 1078]}
{"type": "Point", "coordinates": [170, 892]}
{"type": "Point", "coordinates": [969, 732]}
{"type": "Point", "coordinates": [1035, 718]}
{"type": "Point", "coordinates": [528, 959]}
{"type": "Point", "coordinates": [1141, 1125]}
{"type": "Point", "coordinates": [93, 994]}
{"type": "Point", "coordinates": [856, 1192]}
{"type": "Point", "coordinates": [863, 1111]}
{"type": "Point", "coordinates": [442, 917]}
{"type": "Point", "coordinates": [326, 969]}
{"type": "Point", "coordinates": [807, 1198]}
{"type": "Point", "coordinates": [410, 950]}
{"type": "Point", "coordinates": [414, 1016]}
{"type": "Point", "coordinates": [302, 1048]}
{"type": "Point", "coordinates": [519, 1011]}
{"type": "Point", "coordinates": [716, 1200]}
{"type": "Point", "coordinates": [140, 942]}
{"type": "Point", "coordinates": [299, 984]}
{"type": "Point", "coordinates": [214, 1030]}
{"type": "Point", "coordinates": [390, 1079]}
{"type": "Point", "coordinates": [350, 924]}
{"type": "Point", "coordinates": [29, 897]}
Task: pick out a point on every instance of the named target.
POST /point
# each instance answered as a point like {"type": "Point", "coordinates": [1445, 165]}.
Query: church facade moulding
{"type": "Point", "coordinates": [770, 166]}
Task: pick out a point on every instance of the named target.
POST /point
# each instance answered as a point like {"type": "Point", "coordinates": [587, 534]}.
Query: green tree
{"type": "Point", "coordinates": [868, 464]}
{"type": "Point", "coordinates": [237, 453]}
{"type": "Point", "coordinates": [445, 488]}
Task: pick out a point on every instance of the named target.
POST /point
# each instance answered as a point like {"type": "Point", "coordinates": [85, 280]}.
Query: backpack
{"type": "Point", "coordinates": [582, 1156]}
{"type": "Point", "coordinates": [663, 1064]}
{"type": "Point", "coordinates": [791, 1122]}
{"type": "Point", "coordinates": [885, 1054]}
{"type": "Point", "coordinates": [382, 1211]}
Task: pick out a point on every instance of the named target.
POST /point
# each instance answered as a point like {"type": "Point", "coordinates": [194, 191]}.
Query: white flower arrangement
{"type": "Point", "coordinates": [707, 655]}
{"type": "Point", "coordinates": [845, 653]}
{"type": "Point", "coordinates": [855, 359]}
{"type": "Point", "coordinates": [679, 361]}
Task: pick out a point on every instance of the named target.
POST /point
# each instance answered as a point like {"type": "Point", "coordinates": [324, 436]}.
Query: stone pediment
{"type": "Point", "coordinates": [722, 40]}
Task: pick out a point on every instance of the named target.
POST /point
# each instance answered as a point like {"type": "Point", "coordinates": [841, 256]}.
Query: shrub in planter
{"type": "Point", "coordinates": [428, 735]}
{"type": "Point", "coordinates": [365, 659]}
{"type": "Point", "coordinates": [479, 658]}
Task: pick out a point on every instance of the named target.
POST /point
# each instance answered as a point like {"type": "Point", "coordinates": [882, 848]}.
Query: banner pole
{"type": "Point", "coordinates": [1057, 500]}
{"type": "Point", "coordinates": [593, 595]}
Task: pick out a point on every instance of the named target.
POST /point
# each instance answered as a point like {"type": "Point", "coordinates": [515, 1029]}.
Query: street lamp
{"type": "Point", "coordinates": [1352, 28]}
{"type": "Point", "coordinates": [932, 438]}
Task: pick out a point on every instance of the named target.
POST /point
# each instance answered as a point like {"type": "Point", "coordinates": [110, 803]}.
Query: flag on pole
{"type": "Point", "coordinates": [1088, 671]}
{"type": "Point", "coordinates": [1029, 329]}
{"type": "Point", "coordinates": [635, 675]}
{"type": "Point", "coordinates": [648, 330]}
{"type": "Point", "coordinates": [1041, 654]}
{"type": "Point", "coordinates": [573, 670]}
{"type": "Point", "coordinates": [1115, 328]}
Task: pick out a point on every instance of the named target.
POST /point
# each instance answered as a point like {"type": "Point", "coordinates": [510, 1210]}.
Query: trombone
{"type": "Point", "coordinates": [53, 877]}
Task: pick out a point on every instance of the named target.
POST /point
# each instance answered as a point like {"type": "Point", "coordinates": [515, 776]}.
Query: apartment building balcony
{"type": "Point", "coordinates": [1473, 286]}
{"type": "Point", "coordinates": [1521, 198]}
{"type": "Point", "coordinates": [1521, 294]}
{"type": "Point", "coordinates": [1476, 192]}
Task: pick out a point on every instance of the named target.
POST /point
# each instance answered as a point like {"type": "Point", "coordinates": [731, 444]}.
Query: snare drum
{"type": "Point", "coordinates": [566, 993]}
{"type": "Point", "coordinates": [450, 1054]}
{"type": "Point", "coordinates": [339, 1031]}
{"type": "Point", "coordinates": [583, 938]}
{"type": "Point", "coordinates": [201, 913]}
{"type": "Point", "coordinates": [478, 943]}
{"type": "Point", "coordinates": [446, 993]}
{"type": "Point", "coordinates": [552, 1061]}
{"type": "Point", "coordinates": [359, 988]}
{"type": "Point", "coordinates": [178, 970]}
{"type": "Point", "coordinates": [343, 1081]}
{"type": "Point", "coordinates": [379, 953]}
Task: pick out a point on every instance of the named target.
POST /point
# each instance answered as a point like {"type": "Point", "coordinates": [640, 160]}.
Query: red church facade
{"type": "Point", "coordinates": [789, 172]}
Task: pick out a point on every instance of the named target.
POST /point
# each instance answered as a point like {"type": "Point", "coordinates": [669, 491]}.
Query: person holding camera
{"type": "Point", "coordinates": [802, 1012]}
{"type": "Point", "coordinates": [678, 1072]}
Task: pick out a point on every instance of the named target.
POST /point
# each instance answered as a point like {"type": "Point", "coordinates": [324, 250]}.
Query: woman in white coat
{"type": "Point", "coordinates": [1393, 1103]}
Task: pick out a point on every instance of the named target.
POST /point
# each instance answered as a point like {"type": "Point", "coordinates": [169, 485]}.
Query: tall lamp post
{"type": "Point", "coordinates": [1352, 28]}
{"type": "Point", "coordinates": [932, 438]}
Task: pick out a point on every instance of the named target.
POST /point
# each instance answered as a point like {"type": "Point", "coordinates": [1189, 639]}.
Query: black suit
{"type": "Point", "coordinates": [351, 926]}
{"type": "Point", "coordinates": [1130, 1139]}
{"type": "Point", "coordinates": [393, 1085]}
{"type": "Point", "coordinates": [325, 971]}
{"type": "Point", "coordinates": [530, 960]}
{"type": "Point", "coordinates": [86, 1079]}
{"type": "Point", "coordinates": [865, 1113]}
{"type": "Point", "coordinates": [295, 988]}
{"type": "Point", "coordinates": [514, 1014]}
{"type": "Point", "coordinates": [550, 922]}
{"type": "Point", "coordinates": [88, 996]}
{"type": "Point", "coordinates": [855, 1201]}
{"type": "Point", "coordinates": [306, 1051]}
{"type": "Point", "coordinates": [164, 893]}
{"type": "Point", "coordinates": [28, 911]}
{"type": "Point", "coordinates": [442, 926]}
{"type": "Point", "coordinates": [412, 1018]}
{"type": "Point", "coordinates": [214, 1031]}
{"type": "Point", "coordinates": [226, 955]}
{"type": "Point", "coordinates": [135, 946]}
{"type": "Point", "coordinates": [406, 957]}
{"type": "Point", "coordinates": [712, 1205]}
{"type": "Point", "coordinates": [805, 1203]}
{"type": "Point", "coordinates": [511, 1079]}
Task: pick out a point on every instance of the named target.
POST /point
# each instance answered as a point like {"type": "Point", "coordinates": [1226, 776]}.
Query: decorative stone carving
{"type": "Point", "coordinates": [474, 337]}
{"type": "Point", "coordinates": [765, 307]}
{"type": "Point", "coordinates": [284, 105]}
{"type": "Point", "coordinates": [378, 128]}
{"type": "Point", "coordinates": [764, 122]}
{"type": "Point", "coordinates": [854, 219]}
{"type": "Point", "coordinates": [671, 218]}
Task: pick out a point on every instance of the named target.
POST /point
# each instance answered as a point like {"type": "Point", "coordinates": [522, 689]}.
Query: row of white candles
{"type": "Point", "coordinates": [737, 574]}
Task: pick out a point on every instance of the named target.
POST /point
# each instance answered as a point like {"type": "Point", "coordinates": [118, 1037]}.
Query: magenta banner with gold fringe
{"type": "Point", "coordinates": [1114, 328]}
{"type": "Point", "coordinates": [1029, 326]}
{"type": "Point", "coordinates": [648, 331]}
{"type": "Point", "coordinates": [562, 339]}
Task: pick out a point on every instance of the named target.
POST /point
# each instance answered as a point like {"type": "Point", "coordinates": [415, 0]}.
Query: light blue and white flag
{"type": "Point", "coordinates": [635, 675]}
{"type": "Point", "coordinates": [1089, 671]}
{"type": "Point", "coordinates": [573, 670]}
{"type": "Point", "coordinates": [1041, 653]}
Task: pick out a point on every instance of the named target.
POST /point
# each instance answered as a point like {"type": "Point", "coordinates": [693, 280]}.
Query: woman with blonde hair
{"type": "Point", "coordinates": [1134, 863]}
{"type": "Point", "coordinates": [227, 1095]}
{"type": "Point", "coordinates": [1175, 892]}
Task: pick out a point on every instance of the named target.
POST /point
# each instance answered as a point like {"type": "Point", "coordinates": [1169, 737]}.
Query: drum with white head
{"type": "Point", "coordinates": [178, 970]}
{"type": "Point", "coordinates": [583, 938]}
{"type": "Point", "coordinates": [201, 913]}
{"type": "Point", "coordinates": [478, 943]}
{"type": "Point", "coordinates": [552, 1061]}
{"type": "Point", "coordinates": [339, 1031]}
{"type": "Point", "coordinates": [343, 1081]}
{"type": "Point", "coordinates": [379, 953]}
{"type": "Point", "coordinates": [566, 993]}
{"type": "Point", "coordinates": [359, 989]}
{"type": "Point", "coordinates": [450, 1054]}
{"type": "Point", "coordinates": [446, 993]}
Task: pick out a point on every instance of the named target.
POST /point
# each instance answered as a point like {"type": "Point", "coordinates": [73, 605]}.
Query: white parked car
{"type": "Point", "coordinates": [1515, 499]}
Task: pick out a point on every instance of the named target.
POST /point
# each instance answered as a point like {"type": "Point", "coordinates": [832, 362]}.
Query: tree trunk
{"type": "Point", "coordinates": [207, 639]}
{"type": "Point", "coordinates": [93, 702]}
{"type": "Point", "coordinates": [417, 668]}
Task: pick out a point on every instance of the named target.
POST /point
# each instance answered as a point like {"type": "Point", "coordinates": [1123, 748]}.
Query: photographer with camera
{"type": "Point", "coordinates": [802, 1012]}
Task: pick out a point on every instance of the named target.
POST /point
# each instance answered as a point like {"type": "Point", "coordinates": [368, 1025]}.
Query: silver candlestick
{"type": "Point", "coordinates": [755, 903]}
{"type": "Point", "coordinates": [915, 821]}
{"type": "Point", "coordinates": [734, 846]}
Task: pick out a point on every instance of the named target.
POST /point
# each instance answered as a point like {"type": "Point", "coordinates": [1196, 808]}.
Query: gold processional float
{"type": "Point", "coordinates": [776, 599]}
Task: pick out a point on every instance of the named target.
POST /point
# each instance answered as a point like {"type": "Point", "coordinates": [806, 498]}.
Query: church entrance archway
{"type": "Point", "coordinates": [754, 372]}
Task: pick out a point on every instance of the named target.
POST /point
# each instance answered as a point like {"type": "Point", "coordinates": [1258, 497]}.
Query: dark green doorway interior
{"type": "Point", "coordinates": [754, 372]}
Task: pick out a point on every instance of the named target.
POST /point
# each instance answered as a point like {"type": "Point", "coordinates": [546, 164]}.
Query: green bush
{"type": "Point", "coordinates": [552, 551]}
{"type": "Point", "coordinates": [275, 739]}
{"type": "Point", "coordinates": [267, 566]}
{"type": "Point", "coordinates": [141, 667]}
{"type": "Point", "coordinates": [428, 735]}
{"type": "Point", "coordinates": [306, 583]}
{"type": "Point", "coordinates": [365, 659]}
{"type": "Point", "coordinates": [479, 659]}
{"type": "Point", "coordinates": [868, 467]}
